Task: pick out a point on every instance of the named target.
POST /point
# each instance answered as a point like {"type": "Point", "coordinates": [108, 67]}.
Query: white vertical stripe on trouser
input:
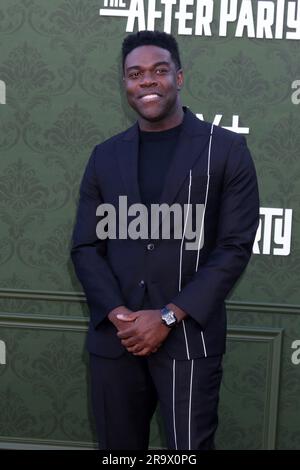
{"type": "Point", "coordinates": [190, 402]}
{"type": "Point", "coordinates": [174, 419]}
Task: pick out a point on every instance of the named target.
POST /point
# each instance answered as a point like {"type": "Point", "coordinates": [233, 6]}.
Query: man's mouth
{"type": "Point", "coordinates": [150, 97]}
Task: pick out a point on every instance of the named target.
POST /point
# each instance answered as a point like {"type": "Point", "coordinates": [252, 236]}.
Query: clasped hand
{"type": "Point", "coordinates": [142, 332]}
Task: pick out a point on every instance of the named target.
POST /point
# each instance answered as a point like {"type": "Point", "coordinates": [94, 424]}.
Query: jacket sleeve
{"type": "Point", "coordinates": [237, 225]}
{"type": "Point", "coordinates": [88, 253]}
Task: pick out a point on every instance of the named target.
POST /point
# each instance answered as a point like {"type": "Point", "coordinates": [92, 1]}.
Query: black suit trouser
{"type": "Point", "coordinates": [126, 390]}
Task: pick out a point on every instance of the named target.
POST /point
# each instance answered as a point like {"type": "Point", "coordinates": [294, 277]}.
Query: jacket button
{"type": "Point", "coordinates": [150, 246]}
{"type": "Point", "coordinates": [142, 283]}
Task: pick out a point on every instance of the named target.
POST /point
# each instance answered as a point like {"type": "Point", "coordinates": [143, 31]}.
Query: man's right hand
{"type": "Point", "coordinates": [120, 324]}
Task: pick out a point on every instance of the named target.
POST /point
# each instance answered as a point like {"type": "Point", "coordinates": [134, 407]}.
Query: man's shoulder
{"type": "Point", "coordinates": [110, 141]}
{"type": "Point", "coordinates": [224, 135]}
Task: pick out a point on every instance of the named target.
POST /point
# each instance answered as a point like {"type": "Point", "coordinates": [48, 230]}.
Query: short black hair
{"type": "Point", "coordinates": [151, 38]}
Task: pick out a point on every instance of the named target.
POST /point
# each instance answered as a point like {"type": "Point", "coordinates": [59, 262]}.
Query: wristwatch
{"type": "Point", "coordinates": [168, 317]}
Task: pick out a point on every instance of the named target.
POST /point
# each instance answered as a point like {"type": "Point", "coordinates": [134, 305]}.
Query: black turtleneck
{"type": "Point", "coordinates": [156, 151]}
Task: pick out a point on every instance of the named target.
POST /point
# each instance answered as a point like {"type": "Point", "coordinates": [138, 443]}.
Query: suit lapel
{"type": "Point", "coordinates": [193, 139]}
{"type": "Point", "coordinates": [127, 153]}
{"type": "Point", "coordinates": [189, 149]}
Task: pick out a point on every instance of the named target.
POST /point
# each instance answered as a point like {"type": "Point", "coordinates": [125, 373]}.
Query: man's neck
{"type": "Point", "coordinates": [168, 123]}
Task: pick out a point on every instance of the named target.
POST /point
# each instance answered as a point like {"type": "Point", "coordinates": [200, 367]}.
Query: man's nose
{"type": "Point", "coordinates": [148, 79]}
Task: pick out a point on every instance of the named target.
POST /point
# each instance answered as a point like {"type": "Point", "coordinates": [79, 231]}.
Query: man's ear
{"type": "Point", "coordinates": [180, 79]}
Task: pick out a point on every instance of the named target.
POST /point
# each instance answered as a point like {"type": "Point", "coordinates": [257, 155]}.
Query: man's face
{"type": "Point", "coordinates": [152, 83]}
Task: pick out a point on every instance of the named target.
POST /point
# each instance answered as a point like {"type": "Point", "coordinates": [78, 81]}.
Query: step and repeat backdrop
{"type": "Point", "coordinates": [61, 94]}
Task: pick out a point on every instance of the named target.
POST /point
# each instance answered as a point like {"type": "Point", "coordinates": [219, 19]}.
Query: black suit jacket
{"type": "Point", "coordinates": [111, 271]}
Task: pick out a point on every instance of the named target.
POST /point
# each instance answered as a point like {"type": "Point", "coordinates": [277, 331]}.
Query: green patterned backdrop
{"type": "Point", "coordinates": [60, 64]}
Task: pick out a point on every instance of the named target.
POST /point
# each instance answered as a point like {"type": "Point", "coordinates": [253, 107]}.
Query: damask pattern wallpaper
{"type": "Point", "coordinates": [60, 63]}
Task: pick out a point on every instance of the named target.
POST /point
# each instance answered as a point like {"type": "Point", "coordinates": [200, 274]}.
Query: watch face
{"type": "Point", "coordinates": [168, 317]}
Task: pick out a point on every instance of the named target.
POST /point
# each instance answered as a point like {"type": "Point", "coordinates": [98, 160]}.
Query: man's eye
{"type": "Point", "coordinates": [161, 71]}
{"type": "Point", "coordinates": [134, 74]}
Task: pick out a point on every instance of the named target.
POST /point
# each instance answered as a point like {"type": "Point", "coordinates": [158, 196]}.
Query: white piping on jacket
{"type": "Point", "coordinates": [180, 261]}
{"type": "Point", "coordinates": [179, 288]}
{"type": "Point", "coordinates": [203, 216]}
{"type": "Point", "coordinates": [206, 195]}
{"type": "Point", "coordinates": [200, 236]}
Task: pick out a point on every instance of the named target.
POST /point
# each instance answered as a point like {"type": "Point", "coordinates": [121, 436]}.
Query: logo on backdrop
{"type": "Point", "coordinates": [272, 19]}
{"type": "Point", "coordinates": [235, 126]}
{"type": "Point", "coordinates": [2, 353]}
{"type": "Point", "coordinates": [296, 94]}
{"type": "Point", "coordinates": [274, 233]}
{"type": "Point", "coordinates": [2, 92]}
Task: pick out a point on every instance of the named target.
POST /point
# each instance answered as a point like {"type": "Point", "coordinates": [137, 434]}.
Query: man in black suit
{"type": "Point", "coordinates": [158, 320]}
